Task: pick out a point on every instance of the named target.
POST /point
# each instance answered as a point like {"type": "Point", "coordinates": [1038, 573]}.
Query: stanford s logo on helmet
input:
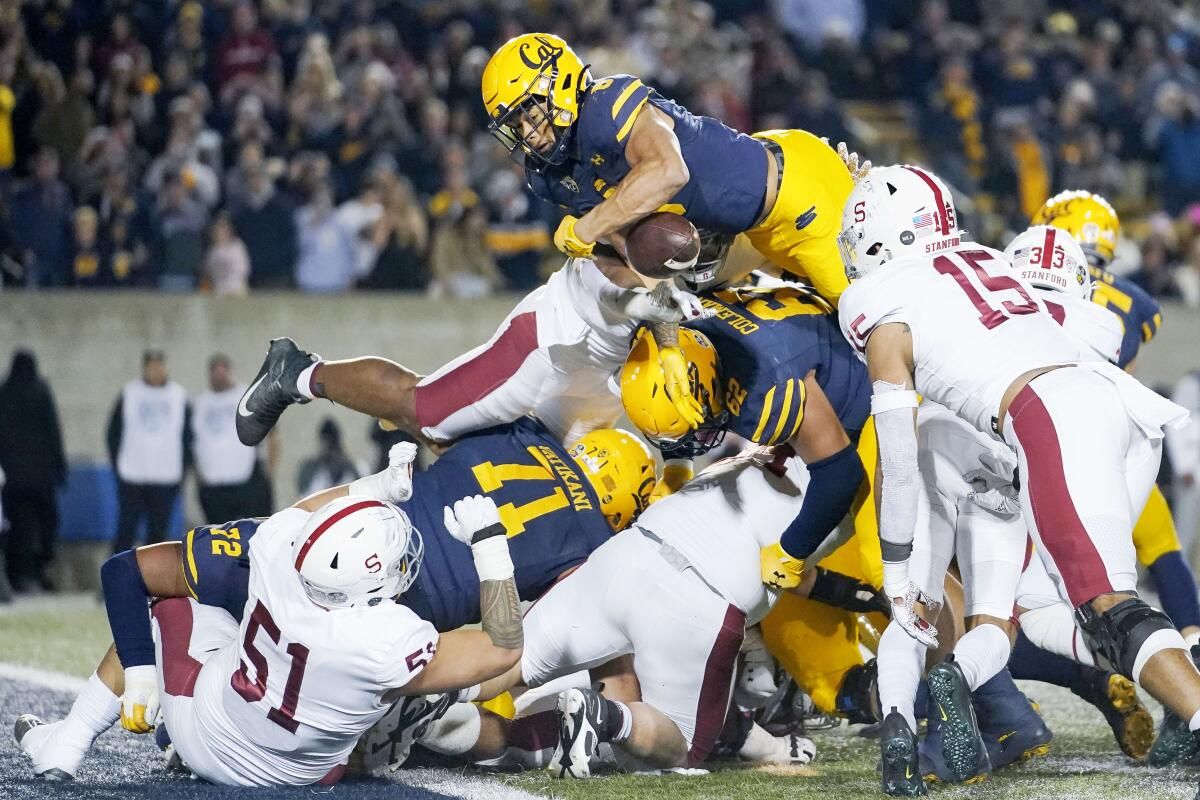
{"type": "Point", "coordinates": [896, 212]}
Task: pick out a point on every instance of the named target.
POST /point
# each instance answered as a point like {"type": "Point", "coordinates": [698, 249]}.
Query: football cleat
{"type": "Point", "coordinates": [387, 745]}
{"type": "Point", "coordinates": [581, 717]}
{"type": "Point", "coordinates": [1117, 699]}
{"type": "Point", "coordinates": [273, 390]}
{"type": "Point", "coordinates": [1012, 729]}
{"type": "Point", "coordinates": [1174, 742]}
{"type": "Point", "coordinates": [898, 750]}
{"type": "Point", "coordinates": [962, 747]}
{"type": "Point", "coordinates": [52, 760]}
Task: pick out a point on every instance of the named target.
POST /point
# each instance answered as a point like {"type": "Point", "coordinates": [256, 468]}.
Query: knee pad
{"type": "Point", "coordinates": [1125, 636]}
{"type": "Point", "coordinates": [857, 699]}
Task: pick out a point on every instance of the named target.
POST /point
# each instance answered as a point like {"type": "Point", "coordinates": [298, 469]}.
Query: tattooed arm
{"type": "Point", "coordinates": [465, 658]}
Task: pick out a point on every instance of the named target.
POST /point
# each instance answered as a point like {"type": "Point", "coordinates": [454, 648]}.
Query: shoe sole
{"type": "Point", "coordinates": [962, 744]}
{"type": "Point", "coordinates": [1137, 732]}
{"type": "Point", "coordinates": [898, 754]}
{"type": "Point", "coordinates": [571, 707]}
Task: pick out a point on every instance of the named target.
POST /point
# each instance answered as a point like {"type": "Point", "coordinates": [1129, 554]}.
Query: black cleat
{"type": "Point", "coordinates": [387, 745]}
{"type": "Point", "coordinates": [963, 751]}
{"type": "Point", "coordinates": [1174, 743]}
{"type": "Point", "coordinates": [898, 749]}
{"type": "Point", "coordinates": [273, 390]}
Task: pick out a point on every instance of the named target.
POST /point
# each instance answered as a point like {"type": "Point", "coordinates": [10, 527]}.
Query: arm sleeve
{"type": "Point", "coordinates": [125, 601]}
{"type": "Point", "coordinates": [833, 484]}
{"type": "Point", "coordinates": [901, 485]}
{"type": "Point", "coordinates": [113, 436]}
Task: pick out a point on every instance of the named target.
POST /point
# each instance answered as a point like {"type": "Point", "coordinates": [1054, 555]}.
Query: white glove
{"type": "Point", "coordinates": [477, 515]}
{"type": "Point", "coordinates": [904, 612]}
{"type": "Point", "coordinates": [665, 303]}
{"type": "Point", "coordinates": [996, 501]}
{"type": "Point", "coordinates": [139, 703]}
{"type": "Point", "coordinates": [850, 159]}
{"type": "Point", "coordinates": [394, 484]}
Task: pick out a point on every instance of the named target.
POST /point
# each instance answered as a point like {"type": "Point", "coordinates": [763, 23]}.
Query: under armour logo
{"type": "Point", "coordinates": [597, 160]}
{"type": "Point", "coordinates": [805, 219]}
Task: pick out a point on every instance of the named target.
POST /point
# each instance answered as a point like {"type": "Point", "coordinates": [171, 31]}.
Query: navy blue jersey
{"type": "Point", "coordinates": [1140, 314]}
{"type": "Point", "coordinates": [728, 170]}
{"type": "Point", "coordinates": [551, 512]}
{"type": "Point", "coordinates": [767, 341]}
{"type": "Point", "coordinates": [216, 563]}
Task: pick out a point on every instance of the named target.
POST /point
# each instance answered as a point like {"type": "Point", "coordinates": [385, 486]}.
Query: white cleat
{"type": "Point", "coordinates": [580, 719]}
{"type": "Point", "coordinates": [793, 749]}
{"type": "Point", "coordinates": [387, 745]}
{"type": "Point", "coordinates": [52, 760]}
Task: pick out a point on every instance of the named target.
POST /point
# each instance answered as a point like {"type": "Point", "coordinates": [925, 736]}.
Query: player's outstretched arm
{"type": "Point", "coordinates": [466, 658]}
{"type": "Point", "coordinates": [391, 485]}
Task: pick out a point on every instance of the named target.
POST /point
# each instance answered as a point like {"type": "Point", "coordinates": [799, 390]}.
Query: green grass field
{"type": "Point", "coordinates": [68, 634]}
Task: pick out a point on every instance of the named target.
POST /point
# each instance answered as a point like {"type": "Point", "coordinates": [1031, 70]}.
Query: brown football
{"type": "Point", "coordinates": [661, 244]}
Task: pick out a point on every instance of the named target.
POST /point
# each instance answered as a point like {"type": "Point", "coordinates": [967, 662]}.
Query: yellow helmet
{"type": "Point", "coordinates": [621, 470]}
{"type": "Point", "coordinates": [1090, 220]}
{"type": "Point", "coordinates": [535, 78]}
{"type": "Point", "coordinates": [644, 395]}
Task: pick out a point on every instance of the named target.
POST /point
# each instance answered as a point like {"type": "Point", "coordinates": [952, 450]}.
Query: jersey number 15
{"type": "Point", "coordinates": [1005, 296]}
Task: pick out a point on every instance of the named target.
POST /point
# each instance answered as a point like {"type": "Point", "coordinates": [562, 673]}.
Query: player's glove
{"type": "Point", "coordinates": [842, 591]}
{"type": "Point", "coordinates": [475, 521]}
{"type": "Point", "coordinates": [665, 303]}
{"type": "Point", "coordinates": [678, 386]}
{"type": "Point", "coordinates": [139, 703]}
{"type": "Point", "coordinates": [676, 472]}
{"type": "Point", "coordinates": [904, 599]}
{"type": "Point", "coordinates": [850, 159]}
{"type": "Point", "coordinates": [570, 244]}
{"type": "Point", "coordinates": [779, 570]}
{"type": "Point", "coordinates": [394, 484]}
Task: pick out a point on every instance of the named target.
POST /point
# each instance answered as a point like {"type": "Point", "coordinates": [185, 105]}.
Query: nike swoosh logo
{"type": "Point", "coordinates": [243, 411]}
{"type": "Point", "coordinates": [907, 772]}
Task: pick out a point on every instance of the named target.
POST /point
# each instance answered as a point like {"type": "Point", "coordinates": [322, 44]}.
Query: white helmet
{"type": "Point", "coordinates": [896, 212]}
{"type": "Point", "coordinates": [355, 551]}
{"type": "Point", "coordinates": [1049, 258]}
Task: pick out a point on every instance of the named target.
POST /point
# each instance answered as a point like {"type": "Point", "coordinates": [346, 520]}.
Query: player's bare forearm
{"type": "Point", "coordinates": [657, 172]}
{"type": "Point", "coordinates": [500, 613]}
{"type": "Point", "coordinates": [666, 334]}
{"type": "Point", "coordinates": [464, 658]}
{"type": "Point", "coordinates": [375, 386]}
{"type": "Point", "coordinates": [318, 499]}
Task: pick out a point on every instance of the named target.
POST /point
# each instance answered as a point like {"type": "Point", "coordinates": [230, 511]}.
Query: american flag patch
{"type": "Point", "coordinates": [922, 220]}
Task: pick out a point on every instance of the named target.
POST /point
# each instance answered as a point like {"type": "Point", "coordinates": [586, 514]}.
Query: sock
{"type": "Point", "coordinates": [1194, 722]}
{"type": "Point", "coordinates": [901, 664]}
{"type": "Point", "coordinates": [1031, 663]}
{"type": "Point", "coordinates": [95, 710]}
{"type": "Point", "coordinates": [981, 653]}
{"type": "Point", "coordinates": [456, 732]}
{"type": "Point", "coordinates": [536, 732]}
{"type": "Point", "coordinates": [921, 706]}
{"type": "Point", "coordinates": [304, 382]}
{"type": "Point", "coordinates": [759, 745]}
{"type": "Point", "coordinates": [619, 723]}
{"type": "Point", "coordinates": [1176, 589]}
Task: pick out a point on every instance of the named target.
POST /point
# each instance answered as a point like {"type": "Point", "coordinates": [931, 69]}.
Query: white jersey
{"type": "Point", "coordinates": [287, 701]}
{"type": "Point", "coordinates": [975, 327]}
{"type": "Point", "coordinates": [724, 516]}
{"type": "Point", "coordinates": [1097, 330]}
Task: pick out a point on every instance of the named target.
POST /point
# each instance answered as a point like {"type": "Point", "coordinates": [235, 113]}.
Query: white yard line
{"type": "Point", "coordinates": [45, 678]}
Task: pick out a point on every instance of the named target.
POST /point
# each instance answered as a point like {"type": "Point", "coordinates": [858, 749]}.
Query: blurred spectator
{"type": "Point", "coordinates": [517, 234]}
{"type": "Point", "coordinates": [34, 466]}
{"type": "Point", "coordinates": [1183, 447]}
{"type": "Point", "coordinates": [64, 123]}
{"type": "Point", "coordinates": [314, 100]}
{"type": "Point", "coordinates": [149, 446]}
{"type": "Point", "coordinates": [401, 236]}
{"type": "Point", "coordinates": [1175, 135]}
{"type": "Point", "coordinates": [8, 102]}
{"type": "Point", "coordinates": [227, 264]}
{"type": "Point", "coordinates": [361, 215]}
{"type": "Point", "coordinates": [246, 60]}
{"type": "Point", "coordinates": [953, 126]}
{"type": "Point", "coordinates": [1155, 272]}
{"type": "Point", "coordinates": [231, 480]}
{"type": "Point", "coordinates": [124, 226]}
{"type": "Point", "coordinates": [1187, 275]}
{"type": "Point", "coordinates": [265, 222]}
{"type": "Point", "coordinates": [814, 109]}
{"type": "Point", "coordinates": [41, 221]}
{"type": "Point", "coordinates": [89, 264]}
{"type": "Point", "coordinates": [327, 247]}
{"type": "Point", "coordinates": [187, 39]}
{"type": "Point", "coordinates": [459, 262]}
{"type": "Point", "coordinates": [179, 232]}
{"type": "Point", "coordinates": [330, 466]}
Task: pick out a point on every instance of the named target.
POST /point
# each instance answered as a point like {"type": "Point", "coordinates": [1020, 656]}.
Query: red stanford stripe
{"type": "Point", "coordinates": [1048, 247]}
{"type": "Point", "coordinates": [943, 220]}
{"type": "Point", "coordinates": [179, 669]}
{"type": "Point", "coordinates": [1063, 533]}
{"type": "Point", "coordinates": [475, 379]}
{"type": "Point", "coordinates": [327, 524]}
{"type": "Point", "coordinates": [717, 685]}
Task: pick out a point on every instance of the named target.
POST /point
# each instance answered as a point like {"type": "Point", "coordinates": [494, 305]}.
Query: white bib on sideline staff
{"type": "Point", "coordinates": [152, 419]}
{"type": "Point", "coordinates": [221, 460]}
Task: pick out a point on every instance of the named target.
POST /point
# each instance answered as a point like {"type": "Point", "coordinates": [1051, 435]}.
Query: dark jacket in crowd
{"type": "Point", "coordinates": [31, 448]}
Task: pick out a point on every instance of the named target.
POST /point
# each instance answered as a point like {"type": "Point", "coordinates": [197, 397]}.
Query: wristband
{"type": "Point", "coordinates": [492, 559]}
{"type": "Point", "coordinates": [895, 578]}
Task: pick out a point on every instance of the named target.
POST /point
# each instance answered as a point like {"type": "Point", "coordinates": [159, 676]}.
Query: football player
{"type": "Point", "coordinates": [1094, 224]}
{"type": "Point", "coordinates": [932, 313]}
{"type": "Point", "coordinates": [553, 356]}
{"type": "Point", "coordinates": [611, 150]}
{"type": "Point", "coordinates": [676, 593]}
{"type": "Point", "coordinates": [557, 508]}
{"type": "Point", "coordinates": [771, 366]}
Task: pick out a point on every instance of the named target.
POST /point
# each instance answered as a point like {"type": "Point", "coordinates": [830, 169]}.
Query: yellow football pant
{"type": "Point", "coordinates": [800, 233]}
{"type": "Point", "coordinates": [817, 643]}
{"type": "Point", "coordinates": [1154, 534]}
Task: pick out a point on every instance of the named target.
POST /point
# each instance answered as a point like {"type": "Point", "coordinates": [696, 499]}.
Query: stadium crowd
{"type": "Point", "coordinates": [234, 145]}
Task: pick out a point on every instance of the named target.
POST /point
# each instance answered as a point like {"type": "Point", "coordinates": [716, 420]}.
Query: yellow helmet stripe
{"type": "Point", "coordinates": [768, 403]}
{"type": "Point", "coordinates": [628, 126]}
{"type": "Point", "coordinates": [624, 96]}
{"type": "Point", "coordinates": [789, 388]}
